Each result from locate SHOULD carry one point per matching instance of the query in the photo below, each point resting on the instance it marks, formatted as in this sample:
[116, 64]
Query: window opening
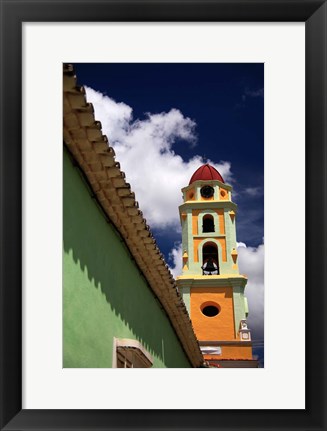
[131, 354]
[208, 224]
[210, 310]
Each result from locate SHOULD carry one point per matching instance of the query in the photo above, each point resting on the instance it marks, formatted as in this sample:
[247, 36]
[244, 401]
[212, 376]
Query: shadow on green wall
[101, 254]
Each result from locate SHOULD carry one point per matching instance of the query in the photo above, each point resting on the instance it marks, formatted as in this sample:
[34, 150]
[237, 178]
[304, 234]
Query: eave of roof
[91, 150]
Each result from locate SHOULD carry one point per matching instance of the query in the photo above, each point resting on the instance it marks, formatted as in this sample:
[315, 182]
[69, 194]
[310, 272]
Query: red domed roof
[206, 173]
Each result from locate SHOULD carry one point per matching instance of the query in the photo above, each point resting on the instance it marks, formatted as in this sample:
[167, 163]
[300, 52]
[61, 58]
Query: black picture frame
[13, 14]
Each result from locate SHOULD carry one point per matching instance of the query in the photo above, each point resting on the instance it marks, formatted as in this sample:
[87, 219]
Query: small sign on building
[211, 350]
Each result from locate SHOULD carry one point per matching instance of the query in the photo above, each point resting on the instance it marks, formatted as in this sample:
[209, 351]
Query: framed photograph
[53, 379]
[198, 241]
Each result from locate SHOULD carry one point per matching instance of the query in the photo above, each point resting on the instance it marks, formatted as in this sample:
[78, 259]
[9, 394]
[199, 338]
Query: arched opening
[210, 262]
[208, 224]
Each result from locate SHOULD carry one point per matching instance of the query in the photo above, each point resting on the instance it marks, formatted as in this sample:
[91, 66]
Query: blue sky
[225, 101]
[163, 121]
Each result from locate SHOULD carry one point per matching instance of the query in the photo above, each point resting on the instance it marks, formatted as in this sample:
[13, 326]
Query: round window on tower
[207, 191]
[210, 309]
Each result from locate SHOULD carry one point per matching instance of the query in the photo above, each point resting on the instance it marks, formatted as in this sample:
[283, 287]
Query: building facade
[211, 285]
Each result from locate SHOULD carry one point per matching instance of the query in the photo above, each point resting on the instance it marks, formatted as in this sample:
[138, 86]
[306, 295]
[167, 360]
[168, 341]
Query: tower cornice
[208, 205]
[226, 280]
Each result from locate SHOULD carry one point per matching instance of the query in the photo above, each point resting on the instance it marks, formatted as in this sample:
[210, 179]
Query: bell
[210, 267]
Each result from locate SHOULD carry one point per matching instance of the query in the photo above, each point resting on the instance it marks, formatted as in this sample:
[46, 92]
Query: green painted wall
[104, 294]
[240, 306]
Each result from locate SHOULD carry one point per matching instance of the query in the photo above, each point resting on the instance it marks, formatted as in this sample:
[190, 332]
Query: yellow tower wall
[195, 216]
[221, 221]
[232, 352]
[220, 327]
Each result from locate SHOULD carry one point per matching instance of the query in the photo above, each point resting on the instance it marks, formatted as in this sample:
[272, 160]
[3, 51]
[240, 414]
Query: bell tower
[211, 285]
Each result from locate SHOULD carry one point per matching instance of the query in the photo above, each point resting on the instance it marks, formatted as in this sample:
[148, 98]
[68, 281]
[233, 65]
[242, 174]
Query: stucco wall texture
[220, 327]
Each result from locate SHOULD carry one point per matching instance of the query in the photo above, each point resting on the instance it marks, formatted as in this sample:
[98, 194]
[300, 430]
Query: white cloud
[175, 256]
[248, 93]
[254, 191]
[144, 149]
[254, 93]
[251, 263]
